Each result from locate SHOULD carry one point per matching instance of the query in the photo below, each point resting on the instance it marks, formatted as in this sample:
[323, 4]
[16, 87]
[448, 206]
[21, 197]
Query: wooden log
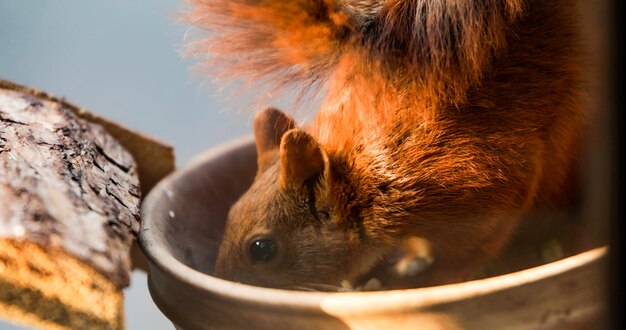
[69, 212]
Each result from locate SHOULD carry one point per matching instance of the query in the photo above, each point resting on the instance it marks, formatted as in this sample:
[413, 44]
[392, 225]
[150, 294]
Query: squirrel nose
[225, 268]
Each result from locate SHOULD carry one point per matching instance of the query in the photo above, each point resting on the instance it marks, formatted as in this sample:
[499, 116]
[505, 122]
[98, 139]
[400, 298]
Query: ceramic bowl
[183, 219]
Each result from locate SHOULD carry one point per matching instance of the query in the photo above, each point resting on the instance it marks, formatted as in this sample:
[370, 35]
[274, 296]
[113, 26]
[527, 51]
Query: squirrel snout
[223, 268]
[227, 269]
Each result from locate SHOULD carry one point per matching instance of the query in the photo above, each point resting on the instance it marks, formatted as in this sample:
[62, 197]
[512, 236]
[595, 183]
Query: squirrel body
[446, 120]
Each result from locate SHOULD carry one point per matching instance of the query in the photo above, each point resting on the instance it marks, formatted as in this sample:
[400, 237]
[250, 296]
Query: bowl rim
[347, 302]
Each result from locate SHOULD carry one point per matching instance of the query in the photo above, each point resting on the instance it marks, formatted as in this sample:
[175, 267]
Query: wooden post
[69, 212]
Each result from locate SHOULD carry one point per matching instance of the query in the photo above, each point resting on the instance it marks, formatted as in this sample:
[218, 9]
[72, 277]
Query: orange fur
[444, 119]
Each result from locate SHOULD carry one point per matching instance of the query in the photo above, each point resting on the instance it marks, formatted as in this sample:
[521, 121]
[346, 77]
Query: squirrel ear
[301, 159]
[269, 127]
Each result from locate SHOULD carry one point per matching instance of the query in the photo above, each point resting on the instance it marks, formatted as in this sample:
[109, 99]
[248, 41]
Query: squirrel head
[287, 230]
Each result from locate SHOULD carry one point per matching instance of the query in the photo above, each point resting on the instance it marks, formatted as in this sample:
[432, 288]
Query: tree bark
[69, 212]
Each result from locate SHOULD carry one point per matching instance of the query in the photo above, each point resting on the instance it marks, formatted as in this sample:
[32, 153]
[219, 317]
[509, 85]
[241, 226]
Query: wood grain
[69, 212]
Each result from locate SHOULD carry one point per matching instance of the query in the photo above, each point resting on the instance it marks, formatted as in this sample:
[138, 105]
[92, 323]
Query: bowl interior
[196, 202]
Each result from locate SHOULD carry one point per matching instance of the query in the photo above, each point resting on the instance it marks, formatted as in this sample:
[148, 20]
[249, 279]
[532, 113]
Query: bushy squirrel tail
[286, 41]
[280, 41]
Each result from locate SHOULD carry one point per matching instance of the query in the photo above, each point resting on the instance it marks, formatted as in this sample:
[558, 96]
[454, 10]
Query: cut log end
[52, 289]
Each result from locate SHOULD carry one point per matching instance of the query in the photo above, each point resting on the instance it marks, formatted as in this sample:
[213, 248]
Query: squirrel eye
[262, 250]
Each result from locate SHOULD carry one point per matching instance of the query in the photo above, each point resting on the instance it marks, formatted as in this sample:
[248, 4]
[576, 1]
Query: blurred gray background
[121, 59]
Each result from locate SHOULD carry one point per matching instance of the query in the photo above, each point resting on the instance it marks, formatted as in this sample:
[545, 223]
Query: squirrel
[442, 119]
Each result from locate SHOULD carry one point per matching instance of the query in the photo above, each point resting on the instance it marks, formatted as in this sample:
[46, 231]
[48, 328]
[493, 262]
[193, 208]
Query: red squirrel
[443, 119]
